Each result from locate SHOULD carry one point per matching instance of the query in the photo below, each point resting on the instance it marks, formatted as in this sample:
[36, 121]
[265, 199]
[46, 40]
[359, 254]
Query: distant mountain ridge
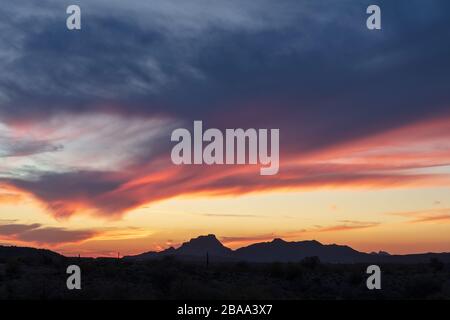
[279, 250]
[283, 251]
[8, 252]
[194, 249]
[209, 243]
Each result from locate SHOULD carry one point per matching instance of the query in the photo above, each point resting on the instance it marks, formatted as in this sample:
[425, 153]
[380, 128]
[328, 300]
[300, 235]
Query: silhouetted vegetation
[44, 277]
[436, 264]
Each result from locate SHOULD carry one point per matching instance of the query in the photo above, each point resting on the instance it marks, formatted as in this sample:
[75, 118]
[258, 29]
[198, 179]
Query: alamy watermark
[236, 146]
[374, 280]
[73, 21]
[74, 280]
[374, 20]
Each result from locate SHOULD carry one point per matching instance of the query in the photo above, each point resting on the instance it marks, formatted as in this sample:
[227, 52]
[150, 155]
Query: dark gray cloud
[55, 235]
[44, 235]
[13, 229]
[60, 189]
[286, 64]
[11, 147]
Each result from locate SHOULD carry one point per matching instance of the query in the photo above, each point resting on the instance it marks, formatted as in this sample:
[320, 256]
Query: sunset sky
[86, 118]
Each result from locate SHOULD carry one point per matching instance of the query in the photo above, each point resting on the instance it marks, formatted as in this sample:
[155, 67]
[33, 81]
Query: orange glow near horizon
[386, 192]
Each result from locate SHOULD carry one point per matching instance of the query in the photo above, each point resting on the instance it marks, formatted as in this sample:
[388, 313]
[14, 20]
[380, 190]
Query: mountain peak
[208, 236]
[202, 245]
[380, 253]
[204, 239]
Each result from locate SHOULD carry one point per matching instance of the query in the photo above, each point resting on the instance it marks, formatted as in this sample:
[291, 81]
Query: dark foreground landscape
[27, 273]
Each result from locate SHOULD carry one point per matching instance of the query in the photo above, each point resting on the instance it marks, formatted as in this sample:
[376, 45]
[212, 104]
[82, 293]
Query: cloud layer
[85, 117]
[36, 233]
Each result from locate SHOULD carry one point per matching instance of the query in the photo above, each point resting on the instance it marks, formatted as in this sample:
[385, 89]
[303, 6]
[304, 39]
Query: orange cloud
[431, 215]
[433, 218]
[10, 198]
[344, 225]
[404, 157]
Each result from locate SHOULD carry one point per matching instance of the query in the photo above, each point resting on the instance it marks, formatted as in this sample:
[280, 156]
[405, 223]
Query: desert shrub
[310, 262]
[293, 271]
[436, 264]
[355, 278]
[422, 287]
[13, 268]
[242, 266]
[276, 270]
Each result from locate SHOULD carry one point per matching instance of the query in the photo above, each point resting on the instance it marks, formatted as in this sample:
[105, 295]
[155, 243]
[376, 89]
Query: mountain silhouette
[34, 274]
[202, 245]
[8, 252]
[279, 250]
[196, 248]
[283, 251]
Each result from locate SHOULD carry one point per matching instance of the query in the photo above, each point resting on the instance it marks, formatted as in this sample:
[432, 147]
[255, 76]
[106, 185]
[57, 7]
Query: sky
[86, 118]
